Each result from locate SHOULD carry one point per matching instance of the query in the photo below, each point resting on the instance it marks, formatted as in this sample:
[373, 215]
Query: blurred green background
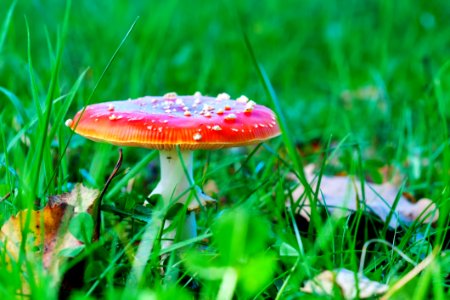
[369, 78]
[312, 51]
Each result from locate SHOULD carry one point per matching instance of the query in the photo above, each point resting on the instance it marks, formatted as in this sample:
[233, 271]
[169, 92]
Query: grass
[356, 85]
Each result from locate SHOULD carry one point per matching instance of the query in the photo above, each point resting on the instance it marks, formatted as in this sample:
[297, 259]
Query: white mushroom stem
[174, 180]
[174, 186]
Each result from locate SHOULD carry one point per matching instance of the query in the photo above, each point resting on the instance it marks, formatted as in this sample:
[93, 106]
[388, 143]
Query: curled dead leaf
[424, 210]
[342, 194]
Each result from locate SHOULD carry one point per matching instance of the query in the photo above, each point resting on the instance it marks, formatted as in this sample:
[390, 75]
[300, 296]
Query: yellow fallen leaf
[47, 230]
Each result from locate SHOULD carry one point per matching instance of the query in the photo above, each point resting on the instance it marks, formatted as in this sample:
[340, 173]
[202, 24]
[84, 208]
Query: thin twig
[5, 197]
[102, 194]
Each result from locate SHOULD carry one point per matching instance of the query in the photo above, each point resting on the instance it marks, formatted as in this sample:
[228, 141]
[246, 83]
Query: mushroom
[171, 121]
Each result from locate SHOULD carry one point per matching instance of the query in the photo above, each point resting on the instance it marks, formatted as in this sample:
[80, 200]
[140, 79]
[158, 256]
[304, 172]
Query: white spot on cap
[234, 129]
[223, 96]
[187, 113]
[135, 119]
[69, 122]
[230, 117]
[227, 107]
[197, 94]
[242, 99]
[208, 107]
[149, 127]
[112, 117]
[219, 111]
[170, 96]
[110, 107]
[216, 128]
[207, 114]
[249, 106]
[197, 137]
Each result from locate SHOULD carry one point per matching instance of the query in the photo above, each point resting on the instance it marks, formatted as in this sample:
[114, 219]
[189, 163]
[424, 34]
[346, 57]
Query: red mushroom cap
[192, 122]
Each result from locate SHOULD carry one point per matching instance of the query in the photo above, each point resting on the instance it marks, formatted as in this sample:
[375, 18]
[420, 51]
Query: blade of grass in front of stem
[192, 185]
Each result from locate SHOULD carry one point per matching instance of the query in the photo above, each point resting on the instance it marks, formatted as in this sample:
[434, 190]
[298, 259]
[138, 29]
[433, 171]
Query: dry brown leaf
[344, 280]
[341, 194]
[47, 229]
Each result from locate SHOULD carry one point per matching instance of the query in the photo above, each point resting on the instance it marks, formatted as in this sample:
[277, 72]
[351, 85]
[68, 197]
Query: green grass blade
[285, 132]
[43, 145]
[6, 24]
[23, 117]
[58, 123]
[33, 84]
[111, 60]
[59, 120]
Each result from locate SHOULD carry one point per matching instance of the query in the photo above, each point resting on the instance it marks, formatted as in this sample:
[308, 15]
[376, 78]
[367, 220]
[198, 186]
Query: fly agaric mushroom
[188, 122]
